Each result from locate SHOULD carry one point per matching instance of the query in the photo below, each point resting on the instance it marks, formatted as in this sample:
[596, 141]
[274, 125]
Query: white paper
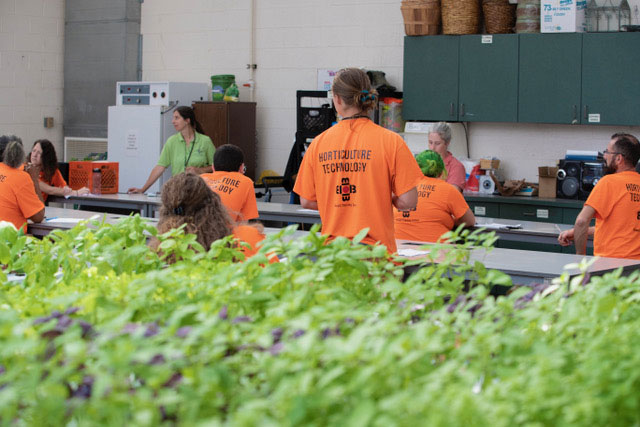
[70, 220]
[132, 145]
[325, 79]
[411, 252]
[498, 226]
[308, 210]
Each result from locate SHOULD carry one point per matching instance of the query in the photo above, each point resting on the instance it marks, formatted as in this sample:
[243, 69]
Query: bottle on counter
[96, 182]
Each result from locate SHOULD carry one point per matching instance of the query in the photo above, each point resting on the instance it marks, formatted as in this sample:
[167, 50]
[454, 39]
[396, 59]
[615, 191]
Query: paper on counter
[308, 210]
[498, 226]
[71, 220]
[411, 252]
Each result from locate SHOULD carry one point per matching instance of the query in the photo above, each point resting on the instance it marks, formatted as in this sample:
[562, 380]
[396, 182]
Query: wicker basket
[460, 16]
[421, 17]
[499, 16]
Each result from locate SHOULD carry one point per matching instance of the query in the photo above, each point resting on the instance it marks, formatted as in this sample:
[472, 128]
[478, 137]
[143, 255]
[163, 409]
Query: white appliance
[140, 123]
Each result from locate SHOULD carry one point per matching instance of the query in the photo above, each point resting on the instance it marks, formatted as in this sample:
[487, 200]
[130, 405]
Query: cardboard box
[489, 163]
[563, 16]
[547, 178]
[80, 174]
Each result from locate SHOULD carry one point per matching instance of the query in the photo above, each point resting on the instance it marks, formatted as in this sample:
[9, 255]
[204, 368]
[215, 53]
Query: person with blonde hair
[20, 197]
[356, 171]
[439, 140]
[188, 200]
[440, 207]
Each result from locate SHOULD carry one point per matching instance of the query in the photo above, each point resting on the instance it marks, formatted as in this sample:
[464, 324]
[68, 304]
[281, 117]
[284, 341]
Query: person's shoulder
[452, 160]
[173, 139]
[243, 178]
[18, 172]
[203, 137]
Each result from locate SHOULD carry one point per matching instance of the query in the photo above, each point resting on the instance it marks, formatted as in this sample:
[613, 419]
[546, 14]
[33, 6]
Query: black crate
[313, 120]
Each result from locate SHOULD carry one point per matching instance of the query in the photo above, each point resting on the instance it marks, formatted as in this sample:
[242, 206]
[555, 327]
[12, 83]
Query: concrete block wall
[31, 69]
[192, 40]
[195, 39]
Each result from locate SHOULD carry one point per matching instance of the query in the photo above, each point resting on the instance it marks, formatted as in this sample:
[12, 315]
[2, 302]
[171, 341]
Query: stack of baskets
[460, 16]
[421, 17]
[499, 16]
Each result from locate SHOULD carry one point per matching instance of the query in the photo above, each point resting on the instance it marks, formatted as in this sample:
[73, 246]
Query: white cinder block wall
[31, 67]
[191, 40]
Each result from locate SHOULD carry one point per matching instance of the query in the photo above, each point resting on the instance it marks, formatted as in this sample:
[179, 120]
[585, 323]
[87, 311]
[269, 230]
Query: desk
[287, 213]
[531, 231]
[528, 267]
[41, 229]
[146, 205]
[524, 267]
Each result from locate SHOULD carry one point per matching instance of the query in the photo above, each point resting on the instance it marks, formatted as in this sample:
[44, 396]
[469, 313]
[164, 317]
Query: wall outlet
[48, 122]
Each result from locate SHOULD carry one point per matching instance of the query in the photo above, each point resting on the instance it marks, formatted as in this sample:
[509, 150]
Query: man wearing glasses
[615, 203]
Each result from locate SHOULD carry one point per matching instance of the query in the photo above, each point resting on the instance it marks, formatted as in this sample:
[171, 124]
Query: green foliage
[103, 331]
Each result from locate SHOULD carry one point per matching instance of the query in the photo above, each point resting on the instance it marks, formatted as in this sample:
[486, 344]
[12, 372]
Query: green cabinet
[550, 85]
[531, 213]
[488, 209]
[467, 78]
[610, 83]
[431, 78]
[588, 78]
[488, 86]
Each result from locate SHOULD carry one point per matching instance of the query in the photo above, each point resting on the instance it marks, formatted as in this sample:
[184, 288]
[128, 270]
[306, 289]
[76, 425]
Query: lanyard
[193, 144]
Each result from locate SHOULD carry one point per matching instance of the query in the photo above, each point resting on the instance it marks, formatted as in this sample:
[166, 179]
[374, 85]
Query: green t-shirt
[175, 153]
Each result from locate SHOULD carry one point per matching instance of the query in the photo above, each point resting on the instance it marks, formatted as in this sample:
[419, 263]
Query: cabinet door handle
[462, 109]
[529, 213]
[451, 106]
[575, 114]
[586, 109]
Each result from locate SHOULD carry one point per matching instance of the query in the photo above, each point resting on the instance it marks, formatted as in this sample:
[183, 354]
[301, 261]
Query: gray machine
[140, 123]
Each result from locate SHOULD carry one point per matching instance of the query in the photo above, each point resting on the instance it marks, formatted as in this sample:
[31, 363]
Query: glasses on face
[610, 152]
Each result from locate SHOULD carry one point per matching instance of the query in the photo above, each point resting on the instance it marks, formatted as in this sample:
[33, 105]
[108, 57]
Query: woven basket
[528, 16]
[421, 17]
[499, 16]
[460, 16]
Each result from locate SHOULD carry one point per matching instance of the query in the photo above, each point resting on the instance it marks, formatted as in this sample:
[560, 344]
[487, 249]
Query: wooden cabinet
[231, 123]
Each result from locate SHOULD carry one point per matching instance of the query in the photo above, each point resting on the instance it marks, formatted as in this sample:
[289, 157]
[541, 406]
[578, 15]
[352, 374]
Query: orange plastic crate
[80, 174]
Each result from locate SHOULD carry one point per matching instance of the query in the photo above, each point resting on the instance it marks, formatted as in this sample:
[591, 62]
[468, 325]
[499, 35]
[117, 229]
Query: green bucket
[219, 84]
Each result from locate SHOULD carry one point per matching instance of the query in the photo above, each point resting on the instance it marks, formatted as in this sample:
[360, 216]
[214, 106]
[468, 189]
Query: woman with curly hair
[43, 156]
[187, 199]
[440, 205]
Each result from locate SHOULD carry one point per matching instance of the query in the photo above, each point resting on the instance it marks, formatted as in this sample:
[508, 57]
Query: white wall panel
[293, 39]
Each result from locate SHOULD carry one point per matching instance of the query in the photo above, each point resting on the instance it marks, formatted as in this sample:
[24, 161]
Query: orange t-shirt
[56, 181]
[616, 200]
[18, 198]
[250, 235]
[351, 170]
[438, 204]
[236, 192]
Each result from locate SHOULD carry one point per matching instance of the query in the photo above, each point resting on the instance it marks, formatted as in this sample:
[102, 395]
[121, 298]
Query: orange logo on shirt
[345, 189]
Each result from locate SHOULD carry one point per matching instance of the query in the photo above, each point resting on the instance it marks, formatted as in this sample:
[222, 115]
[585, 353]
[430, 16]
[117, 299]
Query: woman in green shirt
[189, 150]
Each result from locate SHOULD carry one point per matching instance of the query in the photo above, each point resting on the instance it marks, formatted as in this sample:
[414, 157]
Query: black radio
[576, 179]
